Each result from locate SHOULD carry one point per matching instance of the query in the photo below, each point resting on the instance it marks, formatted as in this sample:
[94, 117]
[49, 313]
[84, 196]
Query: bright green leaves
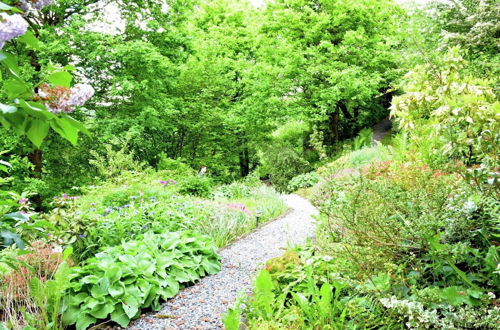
[137, 274]
[37, 131]
[30, 40]
[60, 78]
[21, 113]
[14, 88]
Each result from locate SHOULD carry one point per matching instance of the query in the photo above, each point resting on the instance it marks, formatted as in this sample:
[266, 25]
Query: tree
[337, 57]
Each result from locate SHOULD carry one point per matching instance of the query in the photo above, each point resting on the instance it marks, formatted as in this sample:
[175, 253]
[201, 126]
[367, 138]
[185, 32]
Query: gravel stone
[201, 306]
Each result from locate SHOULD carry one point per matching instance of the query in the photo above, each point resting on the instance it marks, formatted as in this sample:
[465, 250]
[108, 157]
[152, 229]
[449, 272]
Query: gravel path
[200, 306]
[381, 129]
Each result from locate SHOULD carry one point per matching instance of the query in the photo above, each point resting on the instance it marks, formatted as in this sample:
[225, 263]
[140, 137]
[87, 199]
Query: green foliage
[364, 139]
[122, 280]
[113, 162]
[462, 110]
[150, 202]
[177, 167]
[199, 185]
[49, 295]
[303, 181]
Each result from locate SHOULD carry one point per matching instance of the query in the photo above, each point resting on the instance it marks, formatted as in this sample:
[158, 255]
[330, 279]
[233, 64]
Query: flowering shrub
[62, 99]
[22, 110]
[462, 110]
[11, 26]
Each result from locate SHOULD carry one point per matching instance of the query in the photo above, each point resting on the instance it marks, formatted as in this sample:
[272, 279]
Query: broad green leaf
[29, 39]
[65, 130]
[102, 311]
[70, 315]
[16, 88]
[119, 316]
[38, 131]
[36, 109]
[10, 63]
[84, 321]
[60, 78]
[4, 6]
[75, 123]
[113, 274]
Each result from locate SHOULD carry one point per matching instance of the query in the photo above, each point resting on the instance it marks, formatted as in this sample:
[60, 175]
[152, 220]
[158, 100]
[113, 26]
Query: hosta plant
[122, 280]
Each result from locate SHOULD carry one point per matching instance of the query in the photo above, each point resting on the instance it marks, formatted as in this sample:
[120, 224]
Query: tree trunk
[334, 125]
[36, 159]
[244, 162]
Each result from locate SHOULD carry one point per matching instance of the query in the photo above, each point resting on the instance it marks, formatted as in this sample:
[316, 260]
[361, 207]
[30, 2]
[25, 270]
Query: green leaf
[38, 131]
[60, 78]
[36, 109]
[4, 6]
[119, 316]
[7, 108]
[10, 63]
[70, 316]
[102, 311]
[76, 124]
[116, 289]
[16, 88]
[65, 130]
[84, 321]
[30, 40]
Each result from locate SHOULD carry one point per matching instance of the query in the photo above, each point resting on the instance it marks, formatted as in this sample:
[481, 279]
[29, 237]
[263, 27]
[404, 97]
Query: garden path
[202, 305]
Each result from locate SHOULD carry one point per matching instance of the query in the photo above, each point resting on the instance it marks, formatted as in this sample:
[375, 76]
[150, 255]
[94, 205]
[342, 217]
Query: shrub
[113, 162]
[122, 280]
[303, 181]
[196, 185]
[462, 110]
[282, 163]
[233, 190]
[174, 166]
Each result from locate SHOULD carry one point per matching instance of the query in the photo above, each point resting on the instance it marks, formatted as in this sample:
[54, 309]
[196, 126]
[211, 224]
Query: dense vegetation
[131, 150]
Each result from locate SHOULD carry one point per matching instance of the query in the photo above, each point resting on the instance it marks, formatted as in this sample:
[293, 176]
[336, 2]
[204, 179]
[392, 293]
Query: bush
[200, 186]
[174, 166]
[462, 110]
[122, 280]
[303, 181]
[282, 164]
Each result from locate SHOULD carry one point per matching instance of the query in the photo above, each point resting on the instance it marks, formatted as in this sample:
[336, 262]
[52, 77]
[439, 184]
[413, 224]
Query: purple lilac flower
[39, 4]
[23, 201]
[80, 93]
[82, 235]
[11, 26]
[62, 99]
[23, 5]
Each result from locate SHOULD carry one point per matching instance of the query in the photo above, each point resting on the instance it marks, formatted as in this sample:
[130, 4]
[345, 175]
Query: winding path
[201, 306]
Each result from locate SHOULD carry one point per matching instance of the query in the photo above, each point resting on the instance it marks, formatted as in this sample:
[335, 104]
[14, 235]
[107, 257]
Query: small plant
[303, 181]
